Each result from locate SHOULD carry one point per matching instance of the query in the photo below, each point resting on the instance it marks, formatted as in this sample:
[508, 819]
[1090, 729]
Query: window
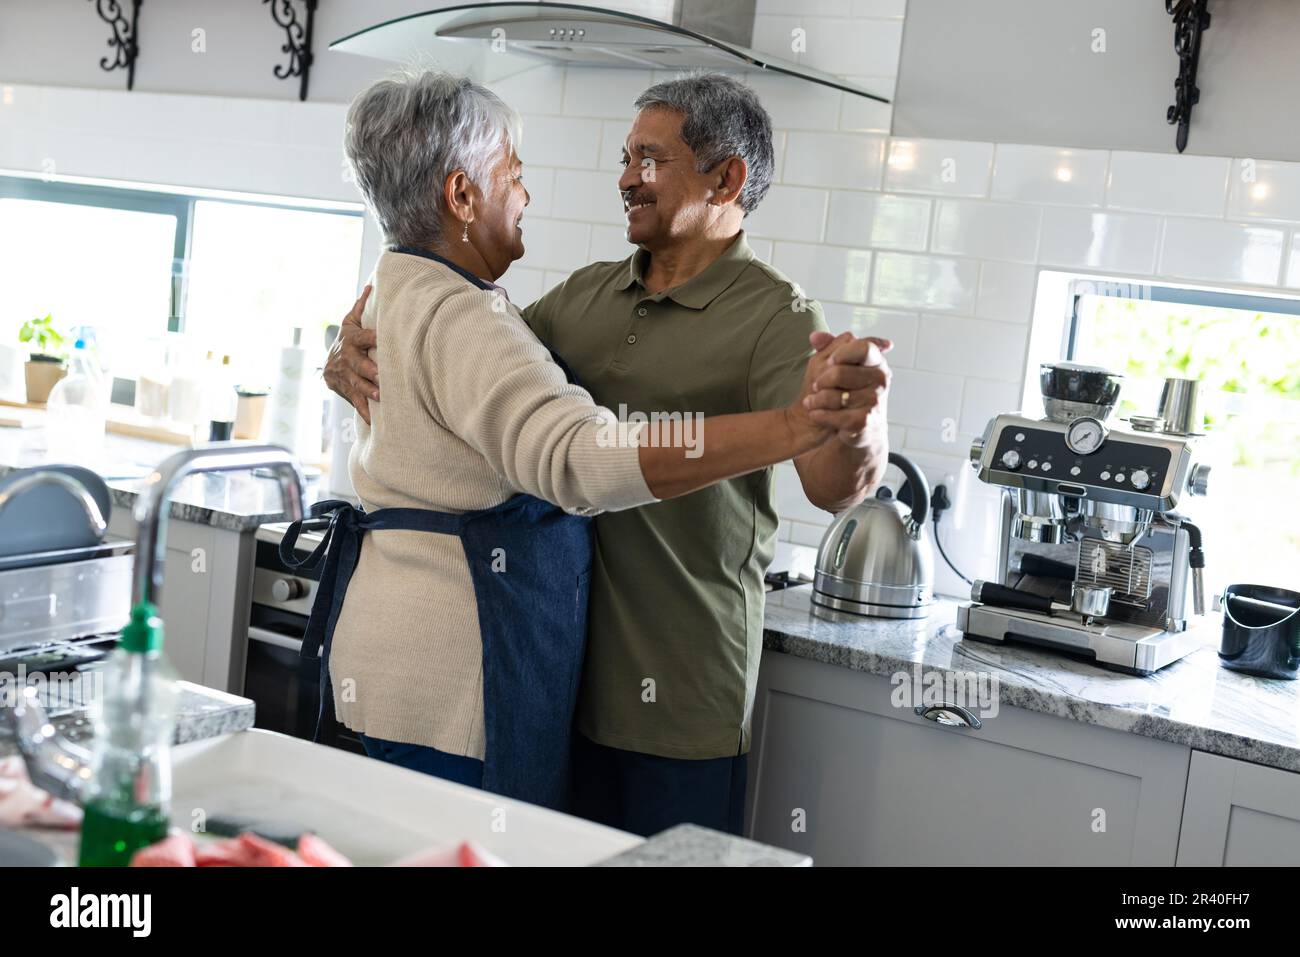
[236, 275]
[1245, 350]
[88, 257]
[258, 272]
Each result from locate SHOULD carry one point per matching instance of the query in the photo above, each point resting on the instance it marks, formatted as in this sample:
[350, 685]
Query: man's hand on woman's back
[349, 370]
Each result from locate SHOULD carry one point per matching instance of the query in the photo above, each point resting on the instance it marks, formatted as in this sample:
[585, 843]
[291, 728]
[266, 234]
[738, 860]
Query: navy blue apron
[530, 563]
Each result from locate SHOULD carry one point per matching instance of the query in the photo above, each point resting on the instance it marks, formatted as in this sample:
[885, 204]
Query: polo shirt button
[631, 340]
[642, 311]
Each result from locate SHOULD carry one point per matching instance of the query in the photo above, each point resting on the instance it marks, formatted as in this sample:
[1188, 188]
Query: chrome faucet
[63, 767]
[94, 516]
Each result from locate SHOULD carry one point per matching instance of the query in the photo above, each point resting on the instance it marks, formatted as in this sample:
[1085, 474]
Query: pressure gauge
[1085, 435]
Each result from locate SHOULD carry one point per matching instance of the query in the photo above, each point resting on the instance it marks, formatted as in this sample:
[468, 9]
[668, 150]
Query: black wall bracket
[297, 41]
[1191, 20]
[125, 38]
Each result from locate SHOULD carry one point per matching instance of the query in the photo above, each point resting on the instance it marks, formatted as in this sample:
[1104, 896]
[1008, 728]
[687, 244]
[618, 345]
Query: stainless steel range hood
[683, 35]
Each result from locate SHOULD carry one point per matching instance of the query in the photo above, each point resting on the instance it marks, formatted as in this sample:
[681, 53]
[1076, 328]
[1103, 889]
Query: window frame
[170, 202]
[1175, 295]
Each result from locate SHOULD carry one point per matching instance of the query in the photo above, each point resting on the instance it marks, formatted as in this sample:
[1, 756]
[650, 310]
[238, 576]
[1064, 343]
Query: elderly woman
[452, 610]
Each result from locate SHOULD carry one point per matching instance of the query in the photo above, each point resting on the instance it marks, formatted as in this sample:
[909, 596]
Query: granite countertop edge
[1019, 691]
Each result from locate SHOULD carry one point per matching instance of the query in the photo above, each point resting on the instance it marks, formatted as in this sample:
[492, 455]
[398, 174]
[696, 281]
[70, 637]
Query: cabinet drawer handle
[951, 715]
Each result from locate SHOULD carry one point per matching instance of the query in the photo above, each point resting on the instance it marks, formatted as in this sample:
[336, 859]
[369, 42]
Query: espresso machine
[1093, 558]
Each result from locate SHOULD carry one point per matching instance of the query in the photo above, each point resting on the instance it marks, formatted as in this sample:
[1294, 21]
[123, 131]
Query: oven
[281, 681]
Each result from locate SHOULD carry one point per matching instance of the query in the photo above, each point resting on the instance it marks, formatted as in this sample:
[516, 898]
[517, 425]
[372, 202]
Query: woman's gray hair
[407, 133]
[721, 118]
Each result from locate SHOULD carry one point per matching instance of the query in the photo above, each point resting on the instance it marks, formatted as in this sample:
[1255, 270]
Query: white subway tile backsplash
[561, 141]
[966, 227]
[948, 441]
[929, 400]
[825, 272]
[609, 244]
[982, 400]
[1264, 190]
[774, 34]
[900, 327]
[864, 115]
[1174, 184]
[790, 212]
[924, 282]
[524, 285]
[810, 8]
[794, 105]
[950, 167]
[554, 244]
[539, 89]
[878, 8]
[880, 221]
[847, 160]
[1047, 174]
[972, 347]
[540, 181]
[808, 535]
[862, 47]
[791, 503]
[587, 195]
[1228, 252]
[762, 248]
[1293, 267]
[1121, 241]
[1006, 291]
[602, 92]
[613, 134]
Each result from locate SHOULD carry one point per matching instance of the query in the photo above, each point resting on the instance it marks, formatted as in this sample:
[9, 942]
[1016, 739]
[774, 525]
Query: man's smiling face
[665, 198]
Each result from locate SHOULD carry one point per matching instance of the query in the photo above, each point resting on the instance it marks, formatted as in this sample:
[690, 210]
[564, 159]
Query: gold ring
[844, 400]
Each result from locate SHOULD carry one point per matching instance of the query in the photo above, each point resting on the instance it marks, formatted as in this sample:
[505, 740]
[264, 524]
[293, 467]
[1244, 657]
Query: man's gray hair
[407, 133]
[721, 118]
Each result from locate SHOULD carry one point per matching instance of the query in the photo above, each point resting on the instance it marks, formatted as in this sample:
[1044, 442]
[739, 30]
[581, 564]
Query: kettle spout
[54, 763]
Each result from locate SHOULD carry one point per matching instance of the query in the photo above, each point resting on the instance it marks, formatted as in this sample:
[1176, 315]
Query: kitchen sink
[372, 812]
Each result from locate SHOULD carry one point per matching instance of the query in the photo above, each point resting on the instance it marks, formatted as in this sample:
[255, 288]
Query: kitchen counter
[1193, 702]
[688, 845]
[233, 501]
[200, 713]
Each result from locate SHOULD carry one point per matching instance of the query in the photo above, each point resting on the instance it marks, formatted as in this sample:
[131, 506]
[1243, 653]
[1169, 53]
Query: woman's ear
[457, 196]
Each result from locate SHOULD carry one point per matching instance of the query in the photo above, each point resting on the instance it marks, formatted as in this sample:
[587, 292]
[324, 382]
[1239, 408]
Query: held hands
[845, 389]
[349, 370]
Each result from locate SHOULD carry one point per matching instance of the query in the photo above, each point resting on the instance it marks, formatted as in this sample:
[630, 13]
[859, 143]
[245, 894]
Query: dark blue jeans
[646, 794]
[453, 767]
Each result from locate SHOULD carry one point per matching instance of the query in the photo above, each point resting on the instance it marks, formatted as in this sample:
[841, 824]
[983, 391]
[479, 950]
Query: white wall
[933, 243]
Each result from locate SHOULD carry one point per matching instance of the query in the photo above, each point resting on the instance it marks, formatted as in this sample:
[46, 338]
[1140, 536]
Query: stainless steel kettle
[875, 558]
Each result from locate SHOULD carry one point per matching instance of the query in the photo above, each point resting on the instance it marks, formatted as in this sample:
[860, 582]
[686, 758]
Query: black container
[1071, 382]
[1261, 631]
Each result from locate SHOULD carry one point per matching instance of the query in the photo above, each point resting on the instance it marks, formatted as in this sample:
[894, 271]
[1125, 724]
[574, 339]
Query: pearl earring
[464, 236]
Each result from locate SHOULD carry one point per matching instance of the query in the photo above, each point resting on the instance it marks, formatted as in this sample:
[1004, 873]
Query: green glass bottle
[127, 805]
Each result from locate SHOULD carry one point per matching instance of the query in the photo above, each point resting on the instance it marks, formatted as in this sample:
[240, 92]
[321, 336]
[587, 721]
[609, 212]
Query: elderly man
[691, 322]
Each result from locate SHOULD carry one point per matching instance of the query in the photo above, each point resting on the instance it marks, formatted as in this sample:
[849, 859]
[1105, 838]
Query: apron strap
[340, 549]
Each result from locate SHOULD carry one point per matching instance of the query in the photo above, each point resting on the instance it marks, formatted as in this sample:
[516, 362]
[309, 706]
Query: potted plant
[47, 362]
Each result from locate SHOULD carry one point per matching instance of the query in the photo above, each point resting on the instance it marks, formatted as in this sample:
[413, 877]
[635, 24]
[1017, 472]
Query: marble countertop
[201, 712]
[688, 845]
[234, 501]
[1194, 701]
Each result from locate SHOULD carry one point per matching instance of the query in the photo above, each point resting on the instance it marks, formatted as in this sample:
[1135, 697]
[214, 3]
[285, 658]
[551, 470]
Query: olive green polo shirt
[675, 625]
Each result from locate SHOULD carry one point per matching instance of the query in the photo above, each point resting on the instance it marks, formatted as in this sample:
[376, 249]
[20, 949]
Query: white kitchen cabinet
[872, 783]
[1238, 813]
[206, 595]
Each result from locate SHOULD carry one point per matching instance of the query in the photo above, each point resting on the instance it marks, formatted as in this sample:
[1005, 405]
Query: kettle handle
[920, 487]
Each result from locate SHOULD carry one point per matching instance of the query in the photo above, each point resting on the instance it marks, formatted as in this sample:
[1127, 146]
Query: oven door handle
[274, 638]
